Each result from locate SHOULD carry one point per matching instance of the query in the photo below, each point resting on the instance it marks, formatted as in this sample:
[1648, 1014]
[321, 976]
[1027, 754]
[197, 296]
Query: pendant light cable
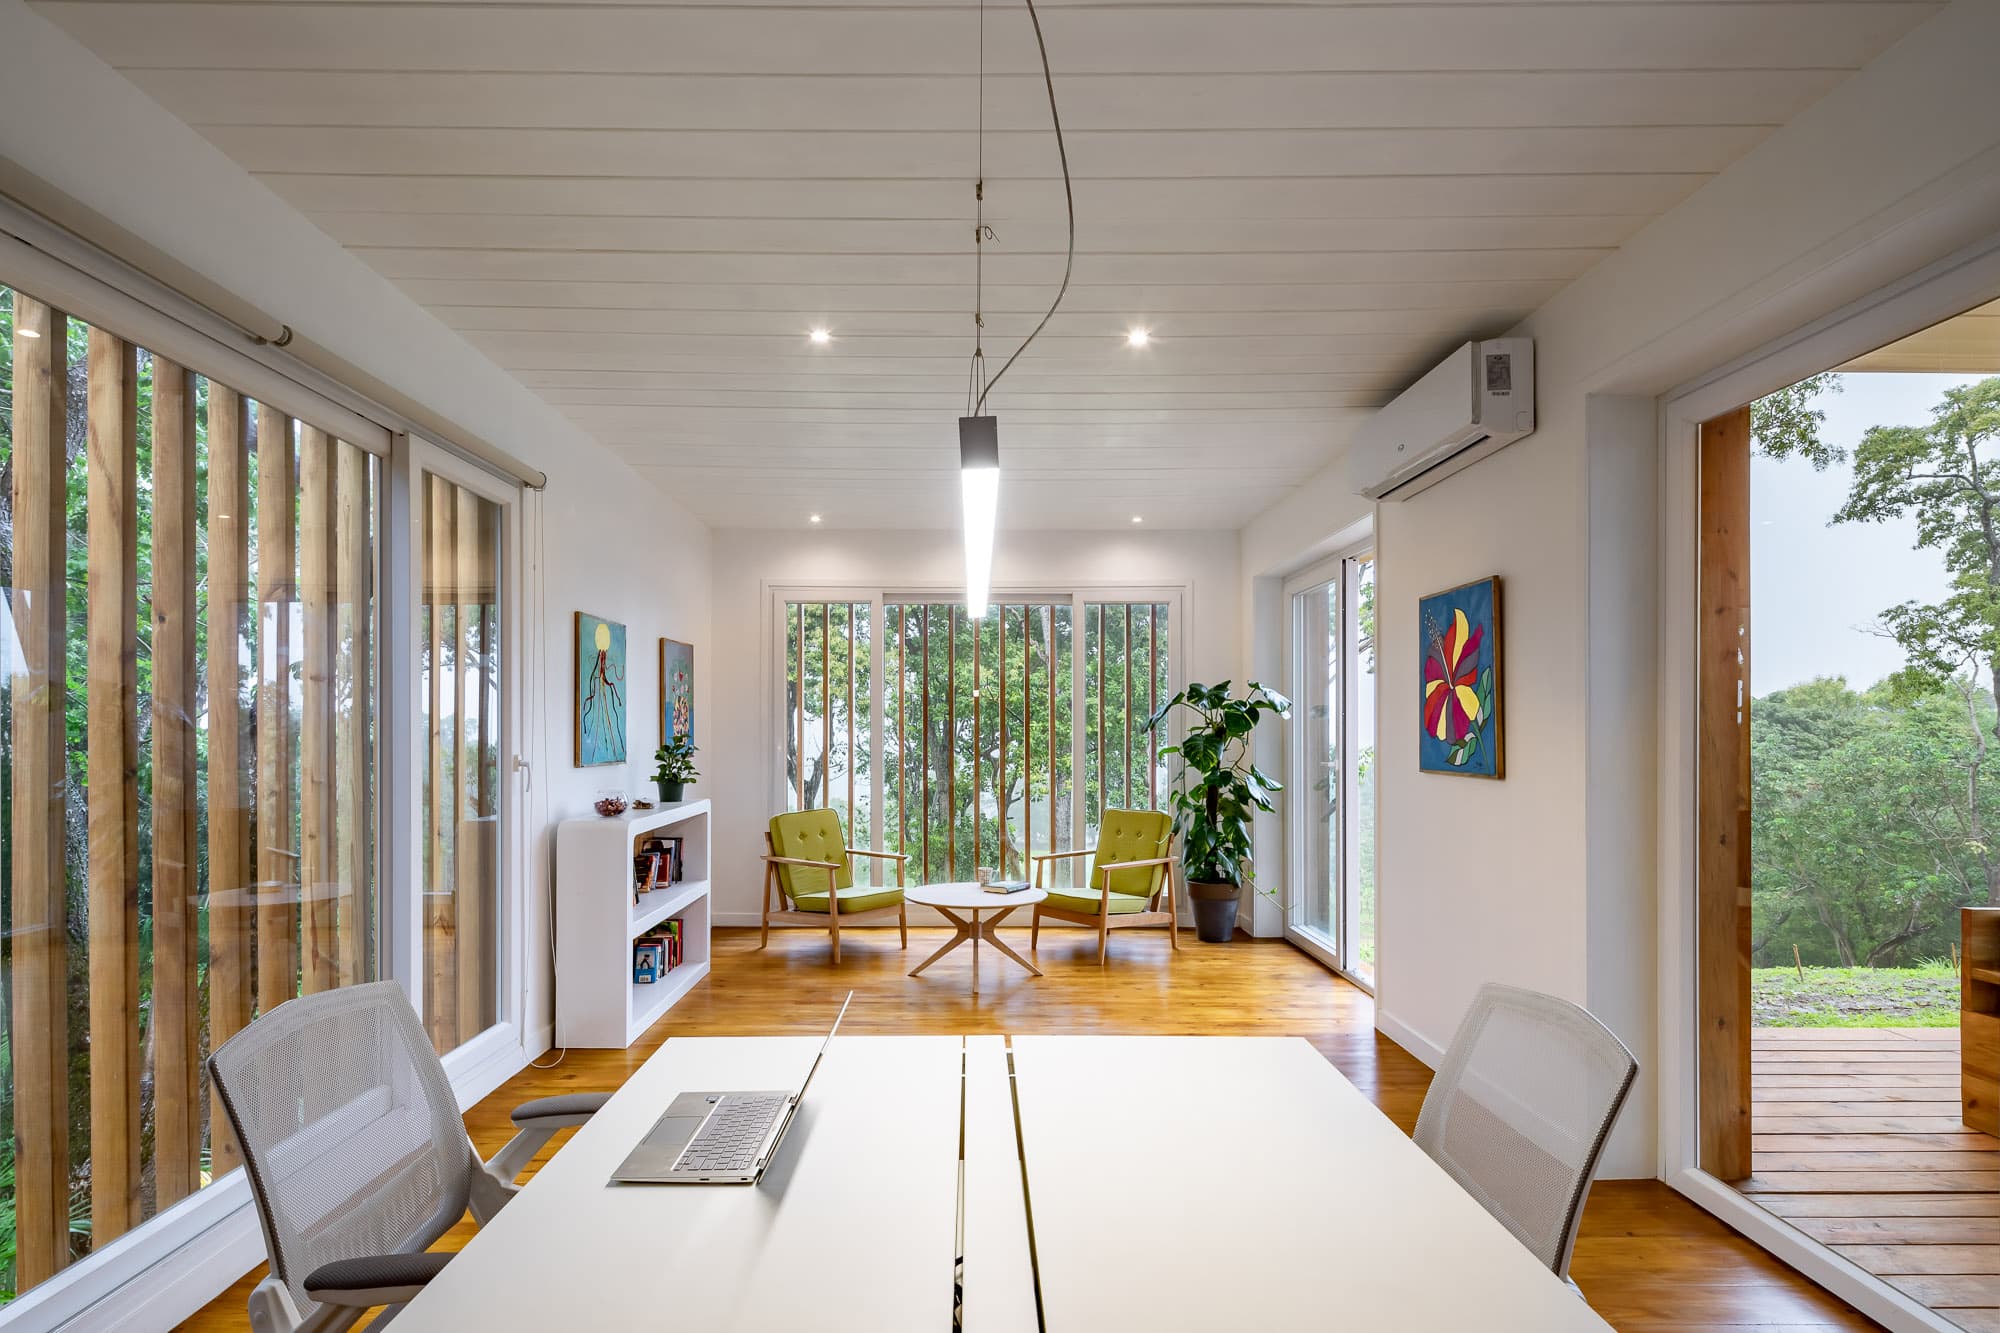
[981, 233]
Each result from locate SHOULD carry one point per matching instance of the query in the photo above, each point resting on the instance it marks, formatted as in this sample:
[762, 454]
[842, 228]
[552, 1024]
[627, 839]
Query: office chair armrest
[559, 1112]
[535, 1123]
[374, 1279]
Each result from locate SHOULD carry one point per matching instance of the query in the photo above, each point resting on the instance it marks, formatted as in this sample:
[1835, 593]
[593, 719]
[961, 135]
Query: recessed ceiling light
[812, 518]
[820, 336]
[1137, 338]
[1137, 519]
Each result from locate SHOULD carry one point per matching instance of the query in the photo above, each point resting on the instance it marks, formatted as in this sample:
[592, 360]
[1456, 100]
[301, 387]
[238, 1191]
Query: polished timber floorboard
[1647, 1259]
[1858, 1142]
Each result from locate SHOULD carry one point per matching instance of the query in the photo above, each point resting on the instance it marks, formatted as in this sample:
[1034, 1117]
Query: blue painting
[600, 691]
[1459, 645]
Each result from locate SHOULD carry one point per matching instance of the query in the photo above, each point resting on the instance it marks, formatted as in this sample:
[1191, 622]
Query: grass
[1855, 997]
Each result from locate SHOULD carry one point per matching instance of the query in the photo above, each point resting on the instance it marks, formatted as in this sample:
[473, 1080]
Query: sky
[1816, 589]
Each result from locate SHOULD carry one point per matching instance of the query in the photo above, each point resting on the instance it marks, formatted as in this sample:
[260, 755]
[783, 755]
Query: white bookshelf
[597, 1002]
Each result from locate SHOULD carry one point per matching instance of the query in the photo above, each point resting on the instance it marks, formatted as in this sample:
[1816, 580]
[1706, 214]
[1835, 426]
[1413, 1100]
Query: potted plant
[1220, 789]
[676, 767]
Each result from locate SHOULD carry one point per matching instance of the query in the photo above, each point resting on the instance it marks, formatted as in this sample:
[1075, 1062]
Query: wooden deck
[1858, 1143]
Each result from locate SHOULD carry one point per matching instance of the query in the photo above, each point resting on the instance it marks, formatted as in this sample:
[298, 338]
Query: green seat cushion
[854, 898]
[811, 835]
[1121, 903]
[1132, 835]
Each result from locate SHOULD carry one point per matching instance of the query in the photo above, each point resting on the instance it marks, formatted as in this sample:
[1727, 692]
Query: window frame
[1342, 568]
[1074, 594]
[503, 1046]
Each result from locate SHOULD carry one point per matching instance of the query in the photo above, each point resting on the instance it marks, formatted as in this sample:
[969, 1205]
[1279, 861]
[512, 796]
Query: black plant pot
[1214, 911]
[670, 791]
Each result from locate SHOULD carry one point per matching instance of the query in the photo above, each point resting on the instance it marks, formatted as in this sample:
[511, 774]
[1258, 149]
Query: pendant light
[978, 433]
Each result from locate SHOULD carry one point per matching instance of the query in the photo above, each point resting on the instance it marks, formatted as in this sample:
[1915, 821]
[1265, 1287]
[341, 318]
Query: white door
[1330, 656]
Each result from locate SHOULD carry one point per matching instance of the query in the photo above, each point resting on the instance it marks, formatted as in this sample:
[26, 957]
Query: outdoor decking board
[1857, 1141]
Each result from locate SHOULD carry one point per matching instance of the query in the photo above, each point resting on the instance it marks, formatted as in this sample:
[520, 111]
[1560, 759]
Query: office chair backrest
[350, 1134]
[1520, 1109]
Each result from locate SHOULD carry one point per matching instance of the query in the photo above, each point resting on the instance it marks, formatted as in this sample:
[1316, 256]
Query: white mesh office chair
[1520, 1109]
[356, 1153]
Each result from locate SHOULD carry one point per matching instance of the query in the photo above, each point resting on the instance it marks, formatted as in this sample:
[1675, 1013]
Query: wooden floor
[1858, 1143]
[1647, 1259]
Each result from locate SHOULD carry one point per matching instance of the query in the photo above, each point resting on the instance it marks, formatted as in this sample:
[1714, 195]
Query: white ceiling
[640, 209]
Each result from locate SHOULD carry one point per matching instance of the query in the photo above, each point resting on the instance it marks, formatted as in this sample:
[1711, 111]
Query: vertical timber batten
[38, 880]
[318, 892]
[1722, 802]
[230, 905]
[277, 856]
[112, 800]
[176, 1007]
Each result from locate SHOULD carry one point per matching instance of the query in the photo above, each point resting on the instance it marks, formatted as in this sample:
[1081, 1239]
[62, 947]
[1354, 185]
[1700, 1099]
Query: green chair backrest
[1132, 835]
[810, 835]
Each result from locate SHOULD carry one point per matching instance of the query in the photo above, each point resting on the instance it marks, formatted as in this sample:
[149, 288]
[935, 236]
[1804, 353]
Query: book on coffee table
[1006, 886]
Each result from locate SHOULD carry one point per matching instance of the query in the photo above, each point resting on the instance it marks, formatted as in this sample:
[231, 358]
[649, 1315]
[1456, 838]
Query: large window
[985, 725]
[188, 716]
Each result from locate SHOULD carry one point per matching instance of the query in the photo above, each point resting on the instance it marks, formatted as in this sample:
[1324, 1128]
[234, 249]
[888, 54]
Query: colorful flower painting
[600, 691]
[1460, 648]
[676, 690]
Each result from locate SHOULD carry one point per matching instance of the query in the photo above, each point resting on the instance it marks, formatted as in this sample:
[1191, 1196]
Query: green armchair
[1131, 881]
[809, 878]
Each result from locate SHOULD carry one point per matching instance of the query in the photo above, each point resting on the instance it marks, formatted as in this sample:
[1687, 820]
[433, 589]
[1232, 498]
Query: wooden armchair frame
[1103, 919]
[786, 911]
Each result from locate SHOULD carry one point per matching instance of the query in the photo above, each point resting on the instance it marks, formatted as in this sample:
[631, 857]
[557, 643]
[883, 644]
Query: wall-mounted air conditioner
[1479, 399]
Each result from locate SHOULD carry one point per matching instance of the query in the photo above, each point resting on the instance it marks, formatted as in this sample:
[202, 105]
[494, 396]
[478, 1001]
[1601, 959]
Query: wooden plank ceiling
[641, 209]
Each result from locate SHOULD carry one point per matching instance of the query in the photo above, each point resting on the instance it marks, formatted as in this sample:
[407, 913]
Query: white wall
[737, 741]
[1546, 878]
[613, 544]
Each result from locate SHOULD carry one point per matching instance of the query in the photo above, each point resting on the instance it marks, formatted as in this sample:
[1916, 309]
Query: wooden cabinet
[1979, 1018]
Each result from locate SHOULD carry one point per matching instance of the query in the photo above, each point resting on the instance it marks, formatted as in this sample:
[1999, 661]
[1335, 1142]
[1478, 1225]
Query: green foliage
[1864, 822]
[1786, 424]
[1220, 787]
[675, 761]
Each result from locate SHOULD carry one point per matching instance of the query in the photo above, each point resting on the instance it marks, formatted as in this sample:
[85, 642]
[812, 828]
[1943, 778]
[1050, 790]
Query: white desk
[1316, 1213]
[853, 1226]
[1320, 1215]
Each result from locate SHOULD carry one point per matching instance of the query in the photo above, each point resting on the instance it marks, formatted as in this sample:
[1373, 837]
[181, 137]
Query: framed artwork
[1460, 650]
[676, 689]
[600, 691]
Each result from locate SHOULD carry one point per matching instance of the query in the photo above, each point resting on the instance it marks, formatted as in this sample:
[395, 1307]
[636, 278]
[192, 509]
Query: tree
[1861, 816]
[1944, 474]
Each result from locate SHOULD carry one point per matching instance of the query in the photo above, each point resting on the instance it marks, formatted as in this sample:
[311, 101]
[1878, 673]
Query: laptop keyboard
[730, 1138]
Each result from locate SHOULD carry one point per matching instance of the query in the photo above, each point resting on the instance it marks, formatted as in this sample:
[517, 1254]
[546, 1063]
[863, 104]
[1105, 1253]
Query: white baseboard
[1417, 1044]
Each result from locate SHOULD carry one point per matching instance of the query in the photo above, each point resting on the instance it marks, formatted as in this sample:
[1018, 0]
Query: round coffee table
[963, 905]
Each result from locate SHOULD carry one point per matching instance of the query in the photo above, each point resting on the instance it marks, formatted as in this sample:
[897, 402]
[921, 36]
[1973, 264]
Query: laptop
[719, 1138]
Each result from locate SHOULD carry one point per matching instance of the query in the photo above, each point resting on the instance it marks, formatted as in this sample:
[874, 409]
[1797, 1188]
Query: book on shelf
[646, 963]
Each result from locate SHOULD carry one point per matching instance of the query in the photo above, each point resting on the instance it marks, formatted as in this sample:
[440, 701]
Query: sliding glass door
[451, 950]
[1330, 909]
